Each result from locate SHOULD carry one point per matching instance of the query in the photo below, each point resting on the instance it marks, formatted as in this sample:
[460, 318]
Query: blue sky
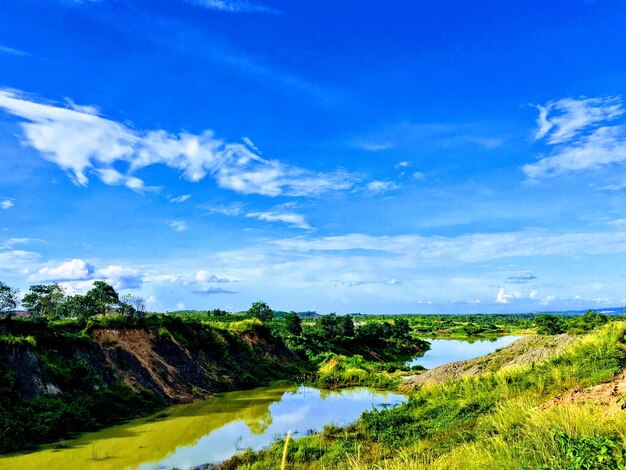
[334, 156]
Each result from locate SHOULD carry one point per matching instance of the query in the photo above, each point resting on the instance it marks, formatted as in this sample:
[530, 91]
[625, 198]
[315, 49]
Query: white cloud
[562, 120]
[290, 218]
[374, 146]
[82, 142]
[419, 176]
[581, 138]
[6, 204]
[11, 51]
[604, 146]
[121, 277]
[179, 199]
[231, 210]
[234, 6]
[381, 186]
[178, 225]
[503, 298]
[472, 248]
[403, 164]
[73, 270]
[205, 276]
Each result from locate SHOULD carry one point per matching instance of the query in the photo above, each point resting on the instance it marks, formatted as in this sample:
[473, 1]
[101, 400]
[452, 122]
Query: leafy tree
[79, 306]
[293, 324]
[549, 325]
[346, 326]
[330, 325]
[262, 311]
[400, 328]
[216, 312]
[44, 300]
[103, 296]
[8, 299]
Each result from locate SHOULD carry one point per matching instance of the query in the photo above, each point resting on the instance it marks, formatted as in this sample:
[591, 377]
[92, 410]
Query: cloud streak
[582, 140]
[83, 143]
[234, 6]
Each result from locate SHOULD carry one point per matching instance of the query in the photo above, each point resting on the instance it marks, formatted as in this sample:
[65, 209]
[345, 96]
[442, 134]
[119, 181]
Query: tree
[103, 296]
[79, 306]
[549, 325]
[346, 326]
[330, 325]
[131, 304]
[400, 328]
[293, 324]
[8, 299]
[262, 311]
[44, 300]
[216, 312]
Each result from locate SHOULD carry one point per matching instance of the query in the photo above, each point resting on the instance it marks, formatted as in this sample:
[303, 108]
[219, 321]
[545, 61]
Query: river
[444, 351]
[208, 431]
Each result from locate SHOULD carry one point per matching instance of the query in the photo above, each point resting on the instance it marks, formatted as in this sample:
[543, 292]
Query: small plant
[589, 453]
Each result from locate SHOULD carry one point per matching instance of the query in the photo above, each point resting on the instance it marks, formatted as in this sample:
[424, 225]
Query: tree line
[51, 302]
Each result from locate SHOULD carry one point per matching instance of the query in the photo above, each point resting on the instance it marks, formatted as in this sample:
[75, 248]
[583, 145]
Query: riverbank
[63, 378]
[494, 418]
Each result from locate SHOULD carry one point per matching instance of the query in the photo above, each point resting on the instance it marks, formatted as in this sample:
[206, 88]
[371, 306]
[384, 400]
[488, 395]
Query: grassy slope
[494, 420]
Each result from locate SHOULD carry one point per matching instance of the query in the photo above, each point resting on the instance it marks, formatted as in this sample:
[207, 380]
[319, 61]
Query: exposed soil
[603, 394]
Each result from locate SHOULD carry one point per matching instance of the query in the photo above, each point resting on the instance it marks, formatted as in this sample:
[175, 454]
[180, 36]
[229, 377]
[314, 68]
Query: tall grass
[491, 421]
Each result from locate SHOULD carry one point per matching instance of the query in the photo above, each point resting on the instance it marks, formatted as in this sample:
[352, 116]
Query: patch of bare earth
[526, 350]
[602, 394]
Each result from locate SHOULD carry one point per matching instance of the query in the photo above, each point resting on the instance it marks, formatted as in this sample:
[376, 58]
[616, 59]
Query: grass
[491, 421]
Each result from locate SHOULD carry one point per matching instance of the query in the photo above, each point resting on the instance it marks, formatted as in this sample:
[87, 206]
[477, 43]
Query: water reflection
[208, 431]
[444, 351]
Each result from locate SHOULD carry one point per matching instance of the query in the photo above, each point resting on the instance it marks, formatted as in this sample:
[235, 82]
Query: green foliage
[8, 298]
[293, 324]
[44, 300]
[262, 311]
[549, 325]
[588, 453]
[393, 427]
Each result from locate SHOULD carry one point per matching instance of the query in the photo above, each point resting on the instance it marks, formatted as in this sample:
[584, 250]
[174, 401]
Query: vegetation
[494, 420]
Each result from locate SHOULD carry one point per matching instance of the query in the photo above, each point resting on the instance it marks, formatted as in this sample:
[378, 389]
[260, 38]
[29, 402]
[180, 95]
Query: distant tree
[346, 326]
[400, 328]
[103, 296]
[293, 324]
[216, 312]
[8, 299]
[329, 325]
[131, 304]
[549, 325]
[262, 311]
[44, 300]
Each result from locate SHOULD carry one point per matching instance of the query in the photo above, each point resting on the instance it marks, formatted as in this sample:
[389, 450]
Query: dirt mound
[603, 394]
[523, 351]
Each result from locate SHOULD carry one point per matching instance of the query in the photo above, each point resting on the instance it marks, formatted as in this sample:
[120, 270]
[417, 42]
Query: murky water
[444, 351]
[209, 430]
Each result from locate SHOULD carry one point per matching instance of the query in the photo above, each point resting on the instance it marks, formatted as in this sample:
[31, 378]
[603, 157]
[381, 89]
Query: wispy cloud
[82, 143]
[520, 278]
[290, 218]
[6, 204]
[560, 121]
[582, 141]
[178, 225]
[381, 186]
[213, 290]
[11, 51]
[179, 199]
[234, 6]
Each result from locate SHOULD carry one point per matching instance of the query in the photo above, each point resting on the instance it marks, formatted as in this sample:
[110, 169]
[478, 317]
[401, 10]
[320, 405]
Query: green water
[207, 431]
